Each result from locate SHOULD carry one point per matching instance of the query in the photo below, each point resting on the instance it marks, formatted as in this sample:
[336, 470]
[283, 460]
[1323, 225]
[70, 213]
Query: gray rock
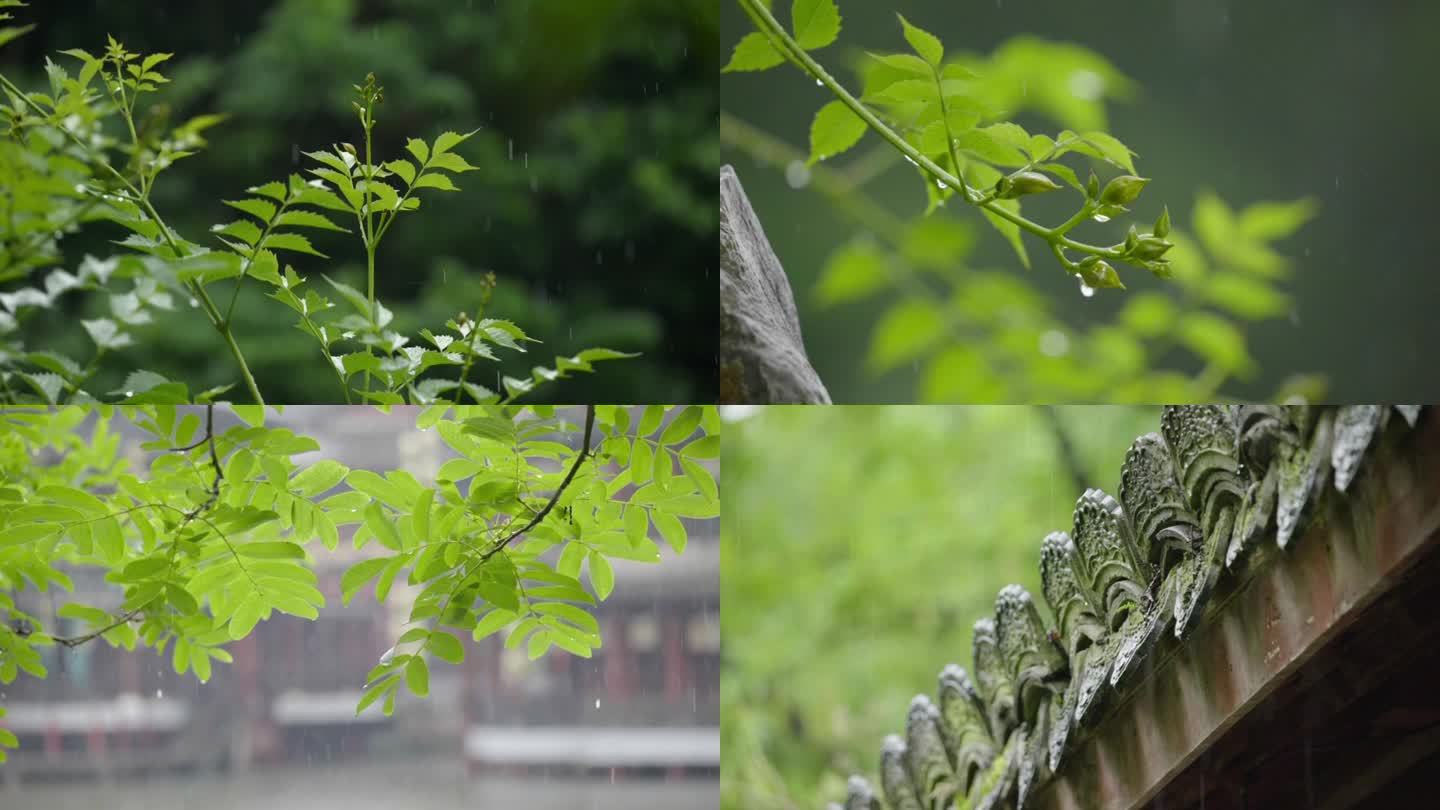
[762, 355]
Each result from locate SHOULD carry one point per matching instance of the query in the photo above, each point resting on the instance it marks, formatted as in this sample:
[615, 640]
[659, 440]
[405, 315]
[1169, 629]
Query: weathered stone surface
[762, 354]
[1193, 500]
[963, 724]
[930, 768]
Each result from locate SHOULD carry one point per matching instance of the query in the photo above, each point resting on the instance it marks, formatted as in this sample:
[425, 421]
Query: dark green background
[1260, 101]
[594, 203]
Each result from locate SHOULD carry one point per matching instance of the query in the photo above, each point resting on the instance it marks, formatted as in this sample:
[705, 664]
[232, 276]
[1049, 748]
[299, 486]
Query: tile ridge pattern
[1194, 499]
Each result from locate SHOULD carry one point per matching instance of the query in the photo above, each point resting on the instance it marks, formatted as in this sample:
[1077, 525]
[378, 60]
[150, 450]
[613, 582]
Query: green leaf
[1216, 340]
[1267, 221]
[291, 241]
[1148, 314]
[707, 447]
[262, 210]
[245, 617]
[492, 622]
[437, 181]
[835, 129]
[991, 145]
[418, 148]
[907, 330]
[307, 219]
[1112, 149]
[382, 527]
[275, 190]
[449, 140]
[816, 23]
[452, 162]
[403, 169]
[417, 676]
[637, 524]
[277, 550]
[704, 481]
[422, 515]
[904, 61]
[84, 613]
[580, 618]
[252, 415]
[1245, 296]
[357, 575]
[924, 42]
[682, 426]
[852, 272]
[671, 529]
[539, 643]
[753, 52]
[641, 461]
[319, 477]
[106, 334]
[650, 420]
[446, 647]
[602, 576]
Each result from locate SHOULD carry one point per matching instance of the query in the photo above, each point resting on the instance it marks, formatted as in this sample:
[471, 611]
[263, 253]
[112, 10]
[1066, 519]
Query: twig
[560, 490]
[214, 495]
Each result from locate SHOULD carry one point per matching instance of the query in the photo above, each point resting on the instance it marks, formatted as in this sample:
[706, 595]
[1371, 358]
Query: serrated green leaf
[753, 52]
[816, 23]
[925, 43]
[836, 128]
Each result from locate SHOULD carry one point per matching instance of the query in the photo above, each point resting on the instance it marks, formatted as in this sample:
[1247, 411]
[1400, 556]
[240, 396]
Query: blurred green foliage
[593, 203]
[935, 322]
[859, 546]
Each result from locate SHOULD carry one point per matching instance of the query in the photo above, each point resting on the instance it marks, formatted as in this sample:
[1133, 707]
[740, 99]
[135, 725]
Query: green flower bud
[1092, 186]
[1162, 225]
[1099, 275]
[1150, 247]
[1022, 183]
[1131, 239]
[1123, 189]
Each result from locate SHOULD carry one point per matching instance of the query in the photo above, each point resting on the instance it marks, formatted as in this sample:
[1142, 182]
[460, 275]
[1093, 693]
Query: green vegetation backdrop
[1279, 101]
[594, 202]
[858, 547]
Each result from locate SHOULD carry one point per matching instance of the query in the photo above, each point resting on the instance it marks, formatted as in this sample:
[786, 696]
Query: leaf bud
[1022, 183]
[1162, 225]
[1123, 189]
[1150, 247]
[1099, 275]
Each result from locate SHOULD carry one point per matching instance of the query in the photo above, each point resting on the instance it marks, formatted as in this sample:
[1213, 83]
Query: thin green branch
[783, 42]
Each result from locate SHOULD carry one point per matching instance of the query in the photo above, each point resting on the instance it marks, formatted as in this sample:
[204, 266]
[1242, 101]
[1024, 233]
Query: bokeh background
[1258, 101]
[859, 546]
[594, 204]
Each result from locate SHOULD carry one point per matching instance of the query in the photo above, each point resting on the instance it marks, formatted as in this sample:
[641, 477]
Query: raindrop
[819, 83]
[512, 148]
[294, 153]
[1086, 290]
[797, 174]
[597, 703]
[1054, 343]
[159, 693]
[940, 184]
[1100, 218]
